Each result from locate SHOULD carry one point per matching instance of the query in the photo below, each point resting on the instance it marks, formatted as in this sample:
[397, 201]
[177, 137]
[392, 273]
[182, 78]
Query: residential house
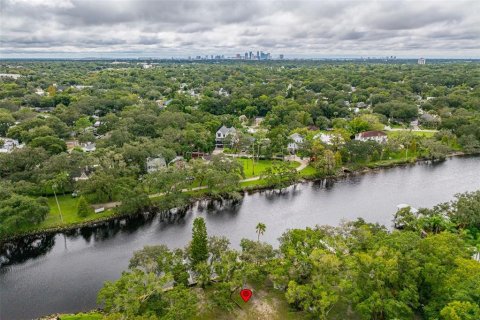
[13, 76]
[378, 136]
[324, 137]
[72, 144]
[81, 87]
[155, 164]
[296, 140]
[7, 145]
[89, 147]
[223, 133]
[223, 92]
[40, 92]
[83, 176]
[258, 120]
[361, 105]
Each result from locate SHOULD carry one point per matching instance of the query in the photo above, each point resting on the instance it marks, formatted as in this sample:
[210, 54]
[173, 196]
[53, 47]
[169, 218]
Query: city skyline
[297, 29]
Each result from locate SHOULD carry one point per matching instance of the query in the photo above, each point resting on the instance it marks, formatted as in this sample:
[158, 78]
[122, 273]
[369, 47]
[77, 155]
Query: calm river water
[63, 272]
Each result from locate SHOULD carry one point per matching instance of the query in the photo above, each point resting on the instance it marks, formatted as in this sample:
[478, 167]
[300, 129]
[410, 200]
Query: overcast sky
[131, 28]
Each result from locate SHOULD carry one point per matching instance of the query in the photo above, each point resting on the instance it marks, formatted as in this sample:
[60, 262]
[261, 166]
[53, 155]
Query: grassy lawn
[68, 205]
[426, 134]
[260, 166]
[82, 316]
[308, 172]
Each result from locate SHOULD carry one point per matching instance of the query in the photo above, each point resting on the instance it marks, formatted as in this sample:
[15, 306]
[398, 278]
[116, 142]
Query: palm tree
[261, 227]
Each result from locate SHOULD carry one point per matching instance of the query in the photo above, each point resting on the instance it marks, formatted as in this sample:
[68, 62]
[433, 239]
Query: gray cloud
[313, 28]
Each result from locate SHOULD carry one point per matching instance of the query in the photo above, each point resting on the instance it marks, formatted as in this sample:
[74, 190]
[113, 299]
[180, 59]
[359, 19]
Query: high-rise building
[250, 55]
[422, 61]
[246, 55]
[281, 57]
[258, 55]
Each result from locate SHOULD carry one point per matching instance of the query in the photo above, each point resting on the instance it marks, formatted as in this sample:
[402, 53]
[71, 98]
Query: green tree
[17, 211]
[460, 310]
[52, 145]
[261, 227]
[83, 208]
[6, 121]
[199, 244]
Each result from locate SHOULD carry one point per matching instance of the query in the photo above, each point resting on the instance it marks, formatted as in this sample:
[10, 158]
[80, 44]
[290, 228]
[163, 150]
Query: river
[63, 272]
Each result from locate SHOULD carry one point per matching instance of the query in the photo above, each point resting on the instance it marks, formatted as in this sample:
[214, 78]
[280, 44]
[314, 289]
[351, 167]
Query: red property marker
[246, 294]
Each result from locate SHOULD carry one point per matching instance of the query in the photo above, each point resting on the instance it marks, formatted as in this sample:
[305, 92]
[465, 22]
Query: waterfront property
[378, 136]
[222, 134]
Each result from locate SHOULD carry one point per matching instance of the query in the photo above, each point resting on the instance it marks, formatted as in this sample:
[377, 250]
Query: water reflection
[25, 248]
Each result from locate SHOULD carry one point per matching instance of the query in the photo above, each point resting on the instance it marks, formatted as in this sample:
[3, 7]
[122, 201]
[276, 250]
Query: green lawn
[260, 166]
[426, 134]
[82, 316]
[68, 205]
[308, 172]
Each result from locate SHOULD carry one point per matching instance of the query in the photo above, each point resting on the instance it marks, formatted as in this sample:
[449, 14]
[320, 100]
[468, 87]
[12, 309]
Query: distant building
[83, 177]
[223, 92]
[81, 87]
[89, 147]
[13, 76]
[40, 91]
[222, 133]
[155, 164]
[324, 137]
[281, 57]
[378, 136]
[422, 61]
[296, 140]
[7, 145]
[258, 120]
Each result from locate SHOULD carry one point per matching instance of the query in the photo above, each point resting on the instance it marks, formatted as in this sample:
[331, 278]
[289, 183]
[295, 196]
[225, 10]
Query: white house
[223, 92]
[14, 76]
[296, 141]
[378, 136]
[155, 164]
[7, 145]
[89, 147]
[329, 138]
[40, 92]
[222, 133]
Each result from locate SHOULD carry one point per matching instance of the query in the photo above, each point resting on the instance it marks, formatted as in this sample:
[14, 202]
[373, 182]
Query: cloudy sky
[131, 28]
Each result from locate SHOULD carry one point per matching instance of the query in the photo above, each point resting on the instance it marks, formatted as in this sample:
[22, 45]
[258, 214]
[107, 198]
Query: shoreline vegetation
[306, 174]
[426, 267]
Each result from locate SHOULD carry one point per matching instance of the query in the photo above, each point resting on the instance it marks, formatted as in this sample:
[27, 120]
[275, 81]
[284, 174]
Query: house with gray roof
[155, 163]
[296, 140]
[223, 133]
[7, 145]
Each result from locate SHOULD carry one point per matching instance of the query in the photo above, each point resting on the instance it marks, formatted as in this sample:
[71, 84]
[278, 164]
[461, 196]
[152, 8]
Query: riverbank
[77, 263]
[250, 185]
